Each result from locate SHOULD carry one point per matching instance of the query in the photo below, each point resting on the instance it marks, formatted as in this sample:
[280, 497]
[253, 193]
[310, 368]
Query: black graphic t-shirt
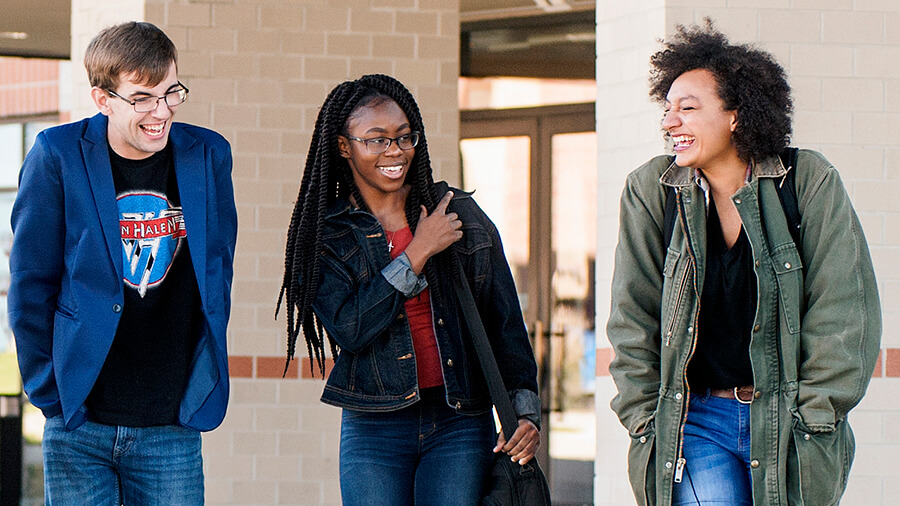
[146, 371]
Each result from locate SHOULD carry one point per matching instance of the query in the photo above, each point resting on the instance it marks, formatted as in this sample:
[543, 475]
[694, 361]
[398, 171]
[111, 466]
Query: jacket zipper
[681, 290]
[680, 461]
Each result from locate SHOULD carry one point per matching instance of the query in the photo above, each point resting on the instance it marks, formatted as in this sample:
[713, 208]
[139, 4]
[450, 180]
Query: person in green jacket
[738, 351]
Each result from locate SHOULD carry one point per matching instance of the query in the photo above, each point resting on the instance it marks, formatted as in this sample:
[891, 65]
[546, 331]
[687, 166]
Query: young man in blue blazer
[121, 267]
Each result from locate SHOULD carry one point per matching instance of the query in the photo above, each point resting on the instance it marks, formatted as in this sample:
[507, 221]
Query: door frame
[540, 124]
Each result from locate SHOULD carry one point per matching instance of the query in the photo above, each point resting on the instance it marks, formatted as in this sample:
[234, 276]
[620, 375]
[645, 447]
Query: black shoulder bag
[507, 483]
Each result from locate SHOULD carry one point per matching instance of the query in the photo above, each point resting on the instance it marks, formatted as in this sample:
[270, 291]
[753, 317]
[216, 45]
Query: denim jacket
[360, 298]
[814, 341]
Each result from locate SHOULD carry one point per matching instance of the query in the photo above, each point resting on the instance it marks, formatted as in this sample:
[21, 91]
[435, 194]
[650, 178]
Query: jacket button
[787, 265]
[668, 465]
[754, 463]
[756, 328]
[737, 201]
[806, 437]
[757, 394]
[643, 439]
[400, 316]
[117, 308]
[458, 405]
[449, 362]
[678, 396]
[690, 330]
[440, 322]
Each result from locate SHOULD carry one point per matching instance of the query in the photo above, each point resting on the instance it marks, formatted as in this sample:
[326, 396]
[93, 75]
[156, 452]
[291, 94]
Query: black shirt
[727, 308]
[145, 373]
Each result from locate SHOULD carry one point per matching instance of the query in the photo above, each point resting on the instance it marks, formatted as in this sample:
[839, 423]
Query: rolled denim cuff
[527, 404]
[400, 275]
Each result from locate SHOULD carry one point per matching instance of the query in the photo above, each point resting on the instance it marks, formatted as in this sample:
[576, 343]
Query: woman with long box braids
[371, 255]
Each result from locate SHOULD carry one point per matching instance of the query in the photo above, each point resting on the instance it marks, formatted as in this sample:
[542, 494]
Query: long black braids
[326, 178]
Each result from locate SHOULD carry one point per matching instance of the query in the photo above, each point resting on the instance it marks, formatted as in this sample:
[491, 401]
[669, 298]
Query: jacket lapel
[190, 171]
[95, 151]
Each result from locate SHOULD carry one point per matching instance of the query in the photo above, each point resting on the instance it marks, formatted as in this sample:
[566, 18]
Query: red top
[418, 312]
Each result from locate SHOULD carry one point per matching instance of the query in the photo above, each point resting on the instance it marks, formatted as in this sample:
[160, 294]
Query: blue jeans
[422, 454]
[717, 454]
[104, 465]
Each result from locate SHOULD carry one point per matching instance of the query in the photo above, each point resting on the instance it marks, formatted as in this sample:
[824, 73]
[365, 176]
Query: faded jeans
[717, 454]
[104, 465]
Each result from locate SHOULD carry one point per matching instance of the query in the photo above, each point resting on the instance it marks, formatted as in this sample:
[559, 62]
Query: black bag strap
[670, 212]
[669, 215]
[499, 396]
[787, 194]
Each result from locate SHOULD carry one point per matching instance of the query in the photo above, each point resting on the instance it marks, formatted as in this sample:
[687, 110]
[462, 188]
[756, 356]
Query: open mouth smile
[392, 171]
[682, 142]
[154, 130]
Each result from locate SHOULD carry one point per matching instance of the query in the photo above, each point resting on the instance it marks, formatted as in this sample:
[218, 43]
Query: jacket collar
[343, 205]
[99, 172]
[339, 207]
[679, 177]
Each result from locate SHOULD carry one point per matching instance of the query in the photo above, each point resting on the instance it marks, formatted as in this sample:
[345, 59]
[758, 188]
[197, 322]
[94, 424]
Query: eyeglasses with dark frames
[378, 145]
[172, 98]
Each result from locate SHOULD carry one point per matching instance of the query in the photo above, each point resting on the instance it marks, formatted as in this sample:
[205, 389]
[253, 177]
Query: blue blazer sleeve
[36, 265]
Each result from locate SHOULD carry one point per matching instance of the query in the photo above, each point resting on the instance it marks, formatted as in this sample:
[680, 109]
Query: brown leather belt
[744, 395]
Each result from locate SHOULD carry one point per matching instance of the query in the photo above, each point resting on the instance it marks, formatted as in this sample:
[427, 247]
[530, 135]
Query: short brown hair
[129, 48]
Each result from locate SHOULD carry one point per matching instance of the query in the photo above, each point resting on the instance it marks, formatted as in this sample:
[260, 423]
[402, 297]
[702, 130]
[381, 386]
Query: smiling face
[698, 123]
[137, 135]
[381, 173]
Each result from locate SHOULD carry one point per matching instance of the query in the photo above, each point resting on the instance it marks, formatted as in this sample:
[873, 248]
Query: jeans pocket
[818, 465]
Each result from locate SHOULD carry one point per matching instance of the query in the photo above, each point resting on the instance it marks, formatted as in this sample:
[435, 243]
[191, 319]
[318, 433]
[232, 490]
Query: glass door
[498, 169]
[534, 173]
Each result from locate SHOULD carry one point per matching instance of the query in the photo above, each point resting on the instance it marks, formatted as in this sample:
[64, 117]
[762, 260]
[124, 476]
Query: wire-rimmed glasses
[378, 145]
[146, 104]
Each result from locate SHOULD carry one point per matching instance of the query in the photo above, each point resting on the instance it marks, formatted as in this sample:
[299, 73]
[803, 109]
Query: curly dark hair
[749, 79]
[327, 177]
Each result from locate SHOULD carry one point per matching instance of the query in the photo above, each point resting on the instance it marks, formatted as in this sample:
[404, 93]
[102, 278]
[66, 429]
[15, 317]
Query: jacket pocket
[349, 264]
[65, 312]
[642, 466]
[474, 251]
[672, 257]
[818, 465]
[675, 285]
[789, 273]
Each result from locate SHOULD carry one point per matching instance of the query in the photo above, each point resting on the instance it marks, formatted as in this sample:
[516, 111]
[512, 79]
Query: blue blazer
[66, 279]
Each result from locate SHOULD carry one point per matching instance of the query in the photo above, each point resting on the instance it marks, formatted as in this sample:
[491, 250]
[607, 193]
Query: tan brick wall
[28, 86]
[628, 134]
[258, 72]
[88, 18]
[847, 105]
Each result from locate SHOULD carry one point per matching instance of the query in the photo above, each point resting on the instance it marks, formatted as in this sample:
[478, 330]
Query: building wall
[628, 134]
[28, 87]
[257, 71]
[847, 105]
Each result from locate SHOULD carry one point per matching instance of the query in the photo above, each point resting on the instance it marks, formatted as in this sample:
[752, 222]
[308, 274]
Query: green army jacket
[814, 342]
